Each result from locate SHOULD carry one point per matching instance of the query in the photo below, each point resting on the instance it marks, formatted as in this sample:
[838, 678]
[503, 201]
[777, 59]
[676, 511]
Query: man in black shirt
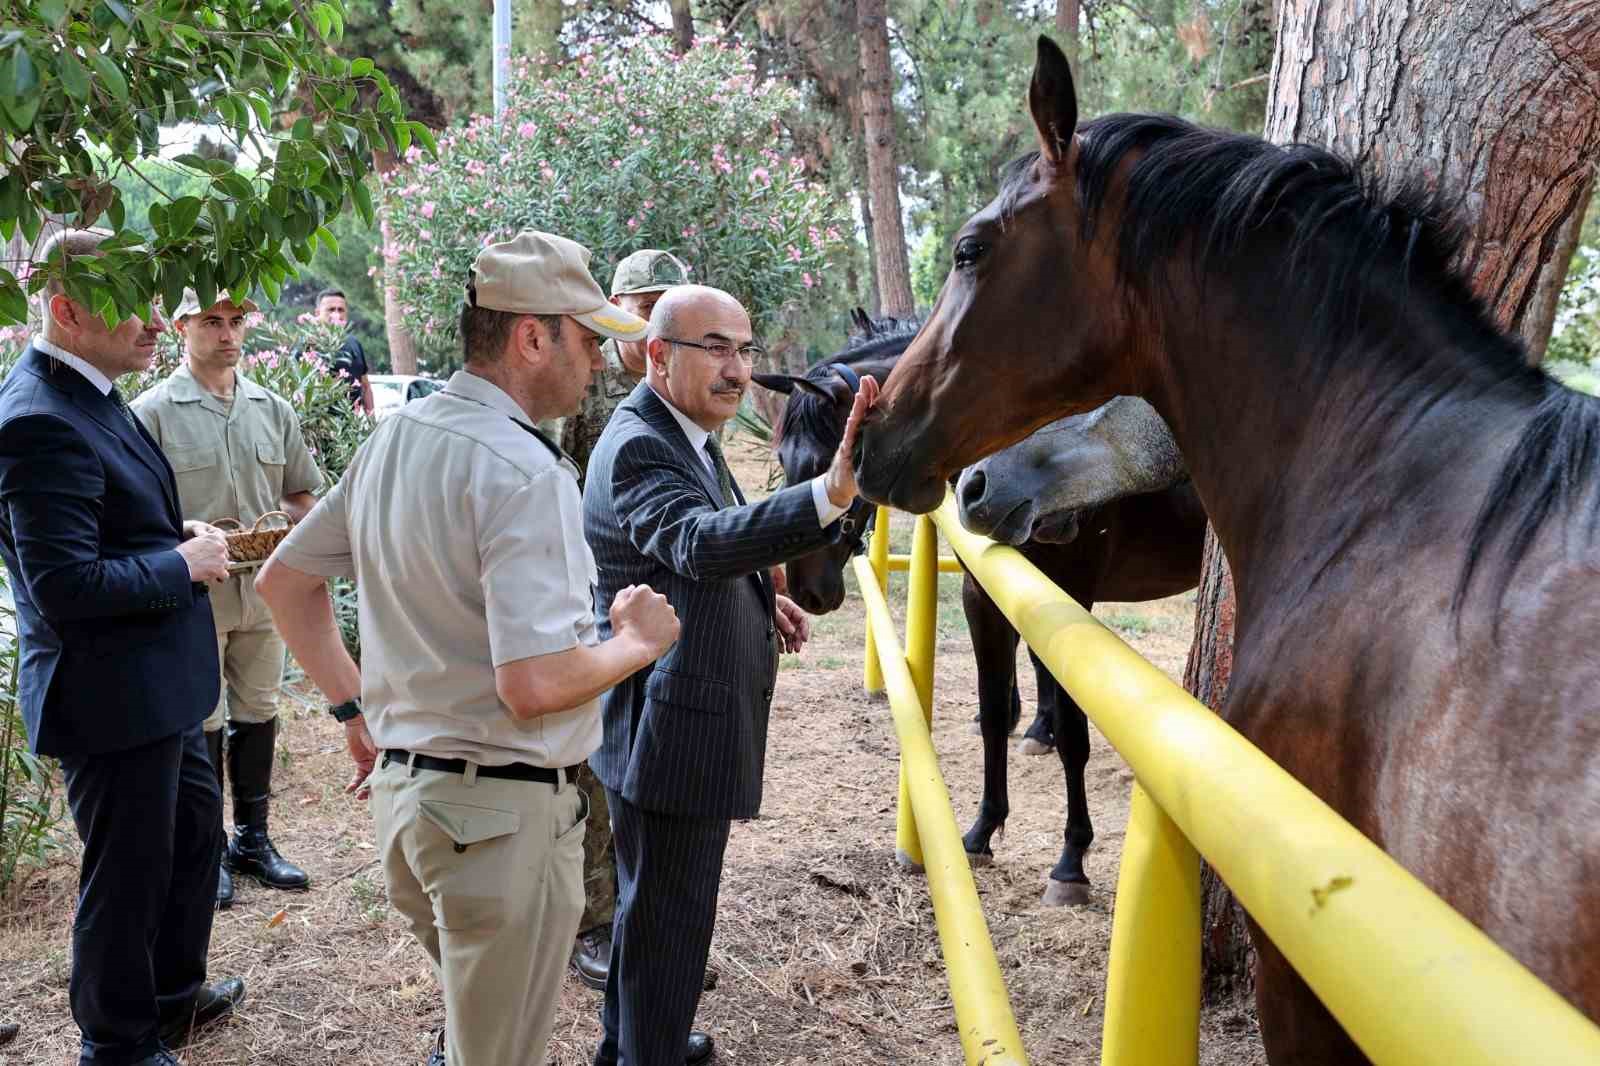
[351, 359]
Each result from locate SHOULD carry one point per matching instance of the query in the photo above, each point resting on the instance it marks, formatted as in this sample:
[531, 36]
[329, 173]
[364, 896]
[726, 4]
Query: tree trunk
[1500, 103]
[883, 177]
[1068, 14]
[1540, 320]
[858, 159]
[682, 27]
[402, 345]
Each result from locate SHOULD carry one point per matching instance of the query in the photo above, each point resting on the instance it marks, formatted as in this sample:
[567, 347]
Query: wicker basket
[250, 547]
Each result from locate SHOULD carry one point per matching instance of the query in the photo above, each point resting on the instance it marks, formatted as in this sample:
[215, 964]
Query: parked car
[392, 391]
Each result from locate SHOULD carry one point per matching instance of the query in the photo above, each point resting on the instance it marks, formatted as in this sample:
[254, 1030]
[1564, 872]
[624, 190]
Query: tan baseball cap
[190, 304]
[650, 270]
[538, 273]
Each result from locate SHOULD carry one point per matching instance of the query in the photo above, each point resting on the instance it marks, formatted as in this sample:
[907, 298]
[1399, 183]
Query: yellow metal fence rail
[1413, 982]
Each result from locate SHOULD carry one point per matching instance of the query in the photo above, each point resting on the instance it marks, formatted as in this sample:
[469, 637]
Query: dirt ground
[825, 951]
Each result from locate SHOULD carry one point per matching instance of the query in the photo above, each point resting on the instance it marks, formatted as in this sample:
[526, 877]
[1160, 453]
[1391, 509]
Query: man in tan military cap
[238, 453]
[636, 285]
[481, 663]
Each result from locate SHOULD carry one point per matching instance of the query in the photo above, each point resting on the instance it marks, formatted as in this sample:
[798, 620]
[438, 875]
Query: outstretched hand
[840, 480]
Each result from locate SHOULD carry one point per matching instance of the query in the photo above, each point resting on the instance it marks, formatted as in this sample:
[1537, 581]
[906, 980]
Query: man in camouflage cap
[638, 283]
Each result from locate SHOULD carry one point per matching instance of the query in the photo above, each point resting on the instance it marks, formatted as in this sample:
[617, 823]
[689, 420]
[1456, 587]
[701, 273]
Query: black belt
[517, 771]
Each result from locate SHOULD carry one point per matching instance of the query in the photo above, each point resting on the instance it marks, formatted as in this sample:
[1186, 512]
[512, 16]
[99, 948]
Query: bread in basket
[250, 547]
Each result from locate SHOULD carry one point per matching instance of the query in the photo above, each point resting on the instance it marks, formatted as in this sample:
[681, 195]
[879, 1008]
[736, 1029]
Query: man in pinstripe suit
[685, 740]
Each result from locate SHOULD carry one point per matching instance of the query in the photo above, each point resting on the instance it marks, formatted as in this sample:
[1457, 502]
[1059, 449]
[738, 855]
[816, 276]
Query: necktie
[122, 406]
[724, 478]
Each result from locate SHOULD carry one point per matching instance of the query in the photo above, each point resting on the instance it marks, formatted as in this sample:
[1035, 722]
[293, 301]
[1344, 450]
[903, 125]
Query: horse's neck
[1301, 459]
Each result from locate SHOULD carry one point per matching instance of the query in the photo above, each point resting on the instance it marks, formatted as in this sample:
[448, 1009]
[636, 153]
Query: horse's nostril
[972, 488]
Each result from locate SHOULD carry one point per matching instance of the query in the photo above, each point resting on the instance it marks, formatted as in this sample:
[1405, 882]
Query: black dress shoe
[211, 1004]
[250, 852]
[436, 1056]
[700, 1048]
[591, 957]
[160, 1058]
[224, 888]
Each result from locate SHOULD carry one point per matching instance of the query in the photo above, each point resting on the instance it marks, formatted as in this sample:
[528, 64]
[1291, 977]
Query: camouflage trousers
[599, 856]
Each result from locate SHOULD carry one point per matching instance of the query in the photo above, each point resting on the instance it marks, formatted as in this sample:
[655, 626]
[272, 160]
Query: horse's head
[1031, 323]
[1034, 489]
[808, 435]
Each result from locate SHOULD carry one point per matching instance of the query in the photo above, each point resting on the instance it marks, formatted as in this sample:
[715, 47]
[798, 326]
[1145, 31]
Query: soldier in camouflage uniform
[638, 283]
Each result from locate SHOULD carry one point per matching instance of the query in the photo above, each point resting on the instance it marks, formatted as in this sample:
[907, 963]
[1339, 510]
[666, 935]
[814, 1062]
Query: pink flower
[633, 223]
[760, 174]
[427, 209]
[546, 173]
[527, 130]
[794, 254]
[806, 278]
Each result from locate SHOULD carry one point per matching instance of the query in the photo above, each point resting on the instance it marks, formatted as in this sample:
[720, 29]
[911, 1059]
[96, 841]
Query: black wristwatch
[345, 711]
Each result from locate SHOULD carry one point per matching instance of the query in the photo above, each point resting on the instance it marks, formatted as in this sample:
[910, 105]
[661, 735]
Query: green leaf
[157, 216]
[115, 83]
[324, 16]
[24, 75]
[13, 304]
[270, 286]
[360, 68]
[182, 215]
[205, 285]
[117, 211]
[425, 135]
[219, 222]
[303, 129]
[74, 76]
[262, 109]
[120, 11]
[174, 279]
[328, 239]
[236, 186]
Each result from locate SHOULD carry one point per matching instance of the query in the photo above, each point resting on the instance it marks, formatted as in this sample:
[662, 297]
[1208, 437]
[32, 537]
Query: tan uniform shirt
[232, 460]
[465, 533]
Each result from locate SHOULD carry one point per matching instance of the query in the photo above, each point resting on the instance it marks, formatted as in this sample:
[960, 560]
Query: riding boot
[251, 748]
[224, 879]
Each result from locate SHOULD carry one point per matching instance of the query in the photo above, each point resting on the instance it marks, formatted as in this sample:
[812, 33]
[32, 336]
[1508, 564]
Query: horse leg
[994, 645]
[1069, 885]
[1040, 739]
[1016, 714]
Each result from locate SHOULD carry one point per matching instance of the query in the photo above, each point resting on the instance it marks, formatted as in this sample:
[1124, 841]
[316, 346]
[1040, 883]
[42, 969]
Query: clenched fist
[644, 615]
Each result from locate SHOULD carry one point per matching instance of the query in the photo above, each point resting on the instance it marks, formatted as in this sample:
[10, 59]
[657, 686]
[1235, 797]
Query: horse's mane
[809, 414]
[1198, 199]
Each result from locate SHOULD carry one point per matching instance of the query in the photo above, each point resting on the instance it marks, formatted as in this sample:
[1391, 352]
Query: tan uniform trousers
[489, 875]
[251, 654]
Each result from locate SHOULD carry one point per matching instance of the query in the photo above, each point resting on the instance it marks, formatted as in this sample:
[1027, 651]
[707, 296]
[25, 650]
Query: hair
[327, 294]
[1212, 203]
[68, 244]
[485, 332]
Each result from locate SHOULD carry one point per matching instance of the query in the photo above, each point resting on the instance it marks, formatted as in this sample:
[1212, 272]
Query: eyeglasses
[722, 351]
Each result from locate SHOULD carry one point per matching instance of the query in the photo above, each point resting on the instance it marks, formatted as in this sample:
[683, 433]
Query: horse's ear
[776, 382]
[861, 320]
[1053, 100]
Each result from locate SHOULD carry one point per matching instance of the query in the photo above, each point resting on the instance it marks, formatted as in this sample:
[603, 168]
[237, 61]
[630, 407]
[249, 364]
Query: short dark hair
[485, 332]
[326, 293]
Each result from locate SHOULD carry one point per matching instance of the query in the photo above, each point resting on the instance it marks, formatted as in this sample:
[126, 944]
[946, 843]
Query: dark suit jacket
[688, 736]
[117, 645]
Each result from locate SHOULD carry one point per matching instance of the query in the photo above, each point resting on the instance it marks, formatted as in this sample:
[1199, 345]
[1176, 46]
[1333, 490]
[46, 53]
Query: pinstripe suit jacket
[688, 735]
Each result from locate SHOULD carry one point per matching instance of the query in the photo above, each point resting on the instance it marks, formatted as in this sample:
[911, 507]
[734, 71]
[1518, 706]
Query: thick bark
[402, 345]
[1068, 16]
[1499, 103]
[1540, 320]
[883, 176]
[682, 27]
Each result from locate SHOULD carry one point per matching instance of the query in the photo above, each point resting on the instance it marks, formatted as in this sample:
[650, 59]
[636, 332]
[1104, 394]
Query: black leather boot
[224, 879]
[251, 748]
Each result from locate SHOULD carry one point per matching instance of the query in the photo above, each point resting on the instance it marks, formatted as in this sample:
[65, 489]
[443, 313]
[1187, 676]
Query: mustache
[728, 388]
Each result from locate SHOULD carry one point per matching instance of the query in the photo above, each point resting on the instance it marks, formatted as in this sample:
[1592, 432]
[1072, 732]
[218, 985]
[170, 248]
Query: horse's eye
[968, 251]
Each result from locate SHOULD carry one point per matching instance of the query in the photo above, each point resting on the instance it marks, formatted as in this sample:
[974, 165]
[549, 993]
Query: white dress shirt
[61, 355]
[827, 511]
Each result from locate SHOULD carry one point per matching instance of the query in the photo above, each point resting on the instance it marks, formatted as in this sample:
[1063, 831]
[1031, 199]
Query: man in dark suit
[686, 739]
[118, 670]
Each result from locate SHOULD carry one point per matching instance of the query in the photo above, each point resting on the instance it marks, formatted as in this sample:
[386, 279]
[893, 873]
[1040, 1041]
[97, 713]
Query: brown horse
[1411, 512]
[1133, 532]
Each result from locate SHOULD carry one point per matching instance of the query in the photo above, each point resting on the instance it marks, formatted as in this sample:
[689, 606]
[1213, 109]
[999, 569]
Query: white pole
[502, 53]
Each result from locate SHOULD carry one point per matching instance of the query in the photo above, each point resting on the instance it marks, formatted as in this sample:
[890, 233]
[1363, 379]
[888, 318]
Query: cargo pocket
[470, 879]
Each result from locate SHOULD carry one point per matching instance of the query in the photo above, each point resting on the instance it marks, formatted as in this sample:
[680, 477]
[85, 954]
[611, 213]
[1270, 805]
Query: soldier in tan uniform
[238, 452]
[481, 664]
[637, 284]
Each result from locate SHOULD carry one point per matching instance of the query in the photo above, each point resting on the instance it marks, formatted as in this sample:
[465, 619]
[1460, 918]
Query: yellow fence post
[922, 607]
[1153, 983]
[878, 555]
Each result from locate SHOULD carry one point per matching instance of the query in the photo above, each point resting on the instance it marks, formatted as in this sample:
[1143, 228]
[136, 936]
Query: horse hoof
[979, 859]
[906, 862]
[1065, 894]
[1036, 747]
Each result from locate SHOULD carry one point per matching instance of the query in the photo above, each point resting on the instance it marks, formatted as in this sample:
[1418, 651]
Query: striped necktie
[724, 478]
